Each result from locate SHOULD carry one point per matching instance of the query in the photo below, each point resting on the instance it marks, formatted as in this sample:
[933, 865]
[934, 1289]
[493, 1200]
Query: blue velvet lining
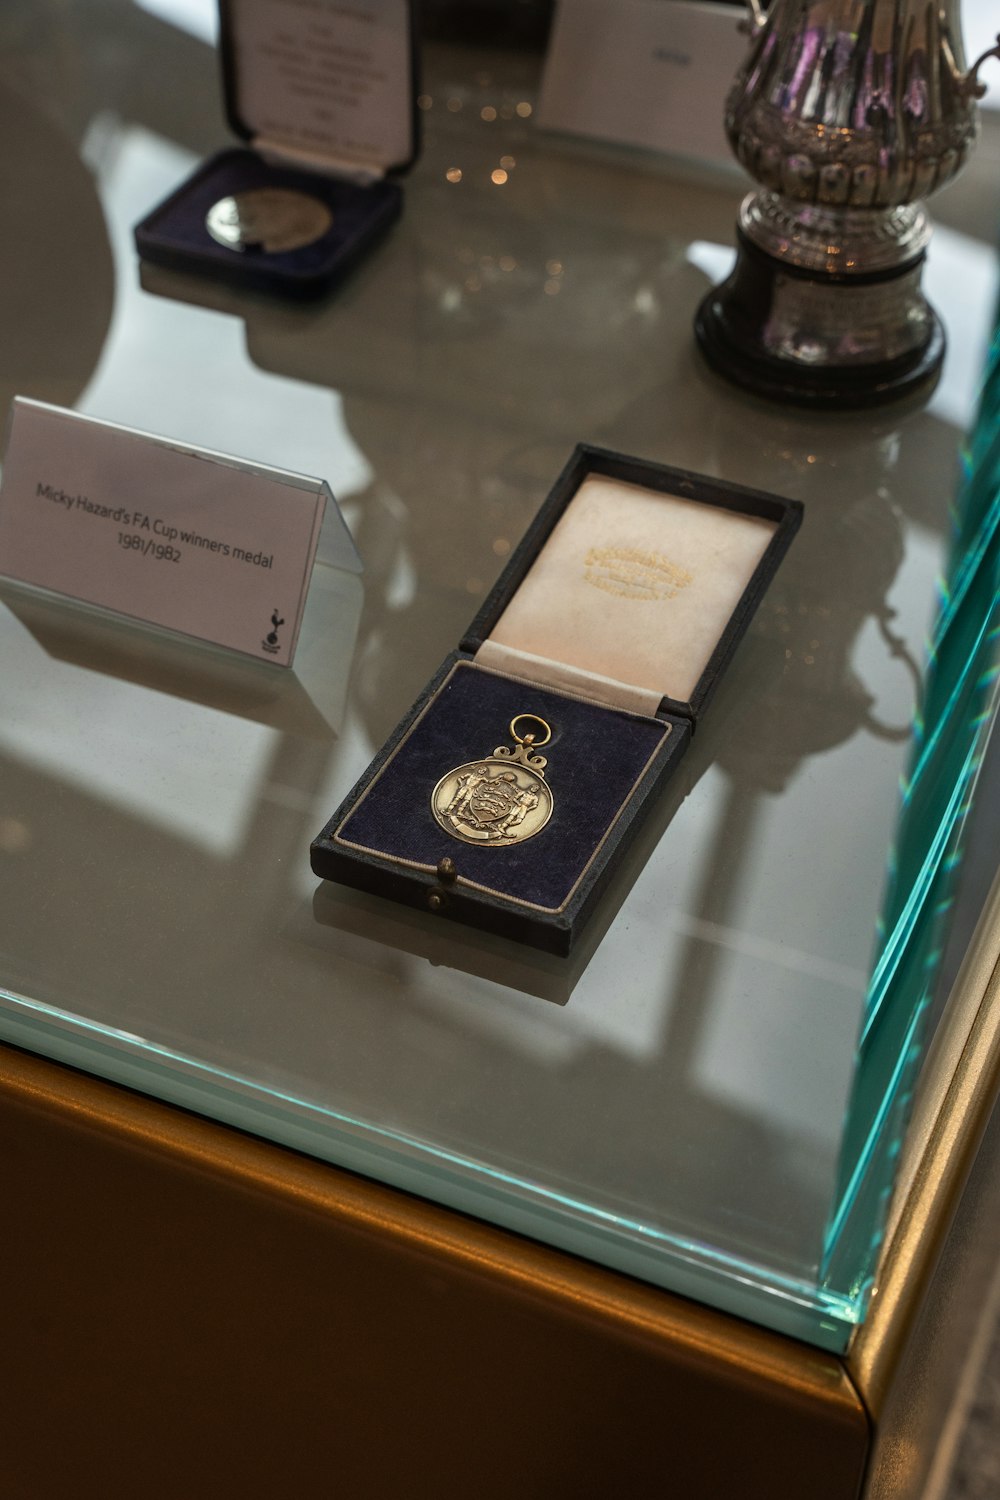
[595, 758]
[176, 229]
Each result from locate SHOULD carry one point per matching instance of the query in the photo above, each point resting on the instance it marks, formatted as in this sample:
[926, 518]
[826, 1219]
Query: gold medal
[503, 798]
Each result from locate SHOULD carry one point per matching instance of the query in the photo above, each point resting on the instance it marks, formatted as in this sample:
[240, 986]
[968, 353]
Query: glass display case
[710, 1093]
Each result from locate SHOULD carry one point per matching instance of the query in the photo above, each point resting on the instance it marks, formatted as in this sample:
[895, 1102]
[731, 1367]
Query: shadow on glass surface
[53, 336]
[307, 699]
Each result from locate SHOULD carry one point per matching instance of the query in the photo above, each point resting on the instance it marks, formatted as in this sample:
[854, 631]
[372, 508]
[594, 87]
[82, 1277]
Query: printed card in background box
[651, 73]
[176, 536]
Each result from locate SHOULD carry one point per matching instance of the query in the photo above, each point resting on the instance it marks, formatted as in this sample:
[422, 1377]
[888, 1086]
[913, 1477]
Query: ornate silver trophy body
[848, 113]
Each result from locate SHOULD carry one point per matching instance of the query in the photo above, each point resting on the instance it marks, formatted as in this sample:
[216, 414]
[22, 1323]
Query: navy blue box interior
[174, 233]
[596, 759]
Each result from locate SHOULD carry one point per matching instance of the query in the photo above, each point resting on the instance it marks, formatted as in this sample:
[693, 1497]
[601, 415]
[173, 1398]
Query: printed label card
[179, 537]
[652, 73]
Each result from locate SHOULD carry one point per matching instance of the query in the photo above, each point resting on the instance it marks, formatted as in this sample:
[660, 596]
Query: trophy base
[814, 339]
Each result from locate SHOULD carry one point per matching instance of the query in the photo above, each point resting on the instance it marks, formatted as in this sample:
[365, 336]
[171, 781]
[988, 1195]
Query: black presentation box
[613, 622]
[325, 96]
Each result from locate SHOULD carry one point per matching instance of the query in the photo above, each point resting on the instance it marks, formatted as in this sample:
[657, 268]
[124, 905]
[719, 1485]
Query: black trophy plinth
[820, 340]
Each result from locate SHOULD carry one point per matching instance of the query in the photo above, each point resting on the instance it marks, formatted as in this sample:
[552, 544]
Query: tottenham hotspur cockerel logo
[270, 643]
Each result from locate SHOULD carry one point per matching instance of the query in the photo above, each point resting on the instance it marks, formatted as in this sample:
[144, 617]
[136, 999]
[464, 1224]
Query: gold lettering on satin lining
[631, 573]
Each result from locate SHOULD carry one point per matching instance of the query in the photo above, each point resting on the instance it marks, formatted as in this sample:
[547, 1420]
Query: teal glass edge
[950, 735]
[815, 1314]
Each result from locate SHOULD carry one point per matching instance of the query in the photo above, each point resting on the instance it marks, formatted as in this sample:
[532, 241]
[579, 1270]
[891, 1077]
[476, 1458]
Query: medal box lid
[323, 87]
[634, 584]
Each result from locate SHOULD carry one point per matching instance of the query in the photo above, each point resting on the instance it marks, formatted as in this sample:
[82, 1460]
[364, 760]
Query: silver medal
[268, 219]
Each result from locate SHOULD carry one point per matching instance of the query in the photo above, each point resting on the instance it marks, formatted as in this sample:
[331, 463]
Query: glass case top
[685, 1098]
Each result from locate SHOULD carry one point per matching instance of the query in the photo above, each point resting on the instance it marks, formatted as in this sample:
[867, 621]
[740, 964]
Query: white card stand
[650, 73]
[169, 535]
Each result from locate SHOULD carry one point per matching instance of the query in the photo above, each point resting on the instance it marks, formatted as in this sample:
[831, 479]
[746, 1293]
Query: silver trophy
[848, 113]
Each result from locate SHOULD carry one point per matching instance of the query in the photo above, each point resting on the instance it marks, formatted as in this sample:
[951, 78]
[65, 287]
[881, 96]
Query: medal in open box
[503, 798]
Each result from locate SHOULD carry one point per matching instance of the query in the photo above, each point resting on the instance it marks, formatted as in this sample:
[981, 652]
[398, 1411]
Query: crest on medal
[499, 800]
